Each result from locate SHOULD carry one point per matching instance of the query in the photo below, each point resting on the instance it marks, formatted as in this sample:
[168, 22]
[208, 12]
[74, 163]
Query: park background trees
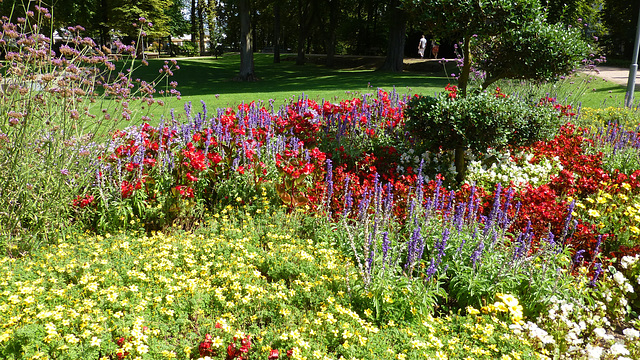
[332, 27]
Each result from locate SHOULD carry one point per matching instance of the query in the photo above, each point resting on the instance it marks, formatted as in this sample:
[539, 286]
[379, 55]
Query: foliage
[599, 118]
[536, 51]
[584, 14]
[621, 18]
[504, 30]
[125, 13]
[478, 122]
[622, 148]
[188, 49]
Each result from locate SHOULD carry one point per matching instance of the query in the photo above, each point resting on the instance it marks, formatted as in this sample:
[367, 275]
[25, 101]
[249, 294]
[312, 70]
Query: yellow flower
[441, 355]
[472, 311]
[500, 306]
[634, 229]
[593, 213]
[508, 299]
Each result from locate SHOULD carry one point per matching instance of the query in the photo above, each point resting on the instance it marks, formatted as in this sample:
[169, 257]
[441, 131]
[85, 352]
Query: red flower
[191, 177]
[273, 354]
[205, 346]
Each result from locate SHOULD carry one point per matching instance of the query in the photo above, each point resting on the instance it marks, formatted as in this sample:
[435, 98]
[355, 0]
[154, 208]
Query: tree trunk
[395, 50]
[463, 80]
[302, 34]
[201, 14]
[246, 49]
[276, 33]
[461, 167]
[331, 39]
[211, 22]
[193, 21]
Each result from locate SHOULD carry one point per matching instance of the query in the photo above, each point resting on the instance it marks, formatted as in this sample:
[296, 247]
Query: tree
[177, 24]
[621, 18]
[497, 27]
[125, 14]
[276, 32]
[533, 52]
[395, 48]
[246, 47]
[306, 15]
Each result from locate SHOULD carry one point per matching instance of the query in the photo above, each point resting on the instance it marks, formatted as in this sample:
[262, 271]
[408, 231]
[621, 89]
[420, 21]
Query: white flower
[628, 287]
[600, 332]
[619, 278]
[95, 341]
[619, 349]
[566, 308]
[631, 333]
[594, 352]
[627, 261]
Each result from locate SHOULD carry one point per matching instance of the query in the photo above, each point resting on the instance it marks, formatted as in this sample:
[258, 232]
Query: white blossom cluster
[502, 168]
[438, 162]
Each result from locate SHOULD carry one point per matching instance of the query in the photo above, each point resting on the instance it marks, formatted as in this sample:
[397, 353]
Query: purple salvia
[348, 202]
[503, 220]
[567, 221]
[204, 109]
[329, 181]
[597, 249]
[494, 210]
[577, 259]
[439, 253]
[596, 274]
[477, 254]
[458, 219]
[385, 248]
[373, 244]
[187, 109]
[363, 206]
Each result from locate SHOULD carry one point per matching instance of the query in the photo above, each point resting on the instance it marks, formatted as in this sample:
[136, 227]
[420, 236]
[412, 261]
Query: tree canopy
[503, 38]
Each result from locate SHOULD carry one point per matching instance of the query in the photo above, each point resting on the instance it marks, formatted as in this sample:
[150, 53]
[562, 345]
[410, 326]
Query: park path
[617, 75]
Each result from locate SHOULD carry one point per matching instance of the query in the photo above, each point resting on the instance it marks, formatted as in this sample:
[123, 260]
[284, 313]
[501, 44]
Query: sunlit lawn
[210, 80]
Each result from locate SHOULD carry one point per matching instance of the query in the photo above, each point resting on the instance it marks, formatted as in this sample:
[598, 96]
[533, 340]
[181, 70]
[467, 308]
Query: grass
[211, 80]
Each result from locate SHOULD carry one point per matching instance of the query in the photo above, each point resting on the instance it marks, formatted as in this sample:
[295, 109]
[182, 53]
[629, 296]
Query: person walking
[434, 49]
[422, 46]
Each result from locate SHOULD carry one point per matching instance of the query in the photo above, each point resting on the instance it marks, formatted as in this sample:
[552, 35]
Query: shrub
[478, 121]
[188, 49]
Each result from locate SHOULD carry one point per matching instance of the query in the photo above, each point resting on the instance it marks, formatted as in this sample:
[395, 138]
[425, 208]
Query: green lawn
[211, 80]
